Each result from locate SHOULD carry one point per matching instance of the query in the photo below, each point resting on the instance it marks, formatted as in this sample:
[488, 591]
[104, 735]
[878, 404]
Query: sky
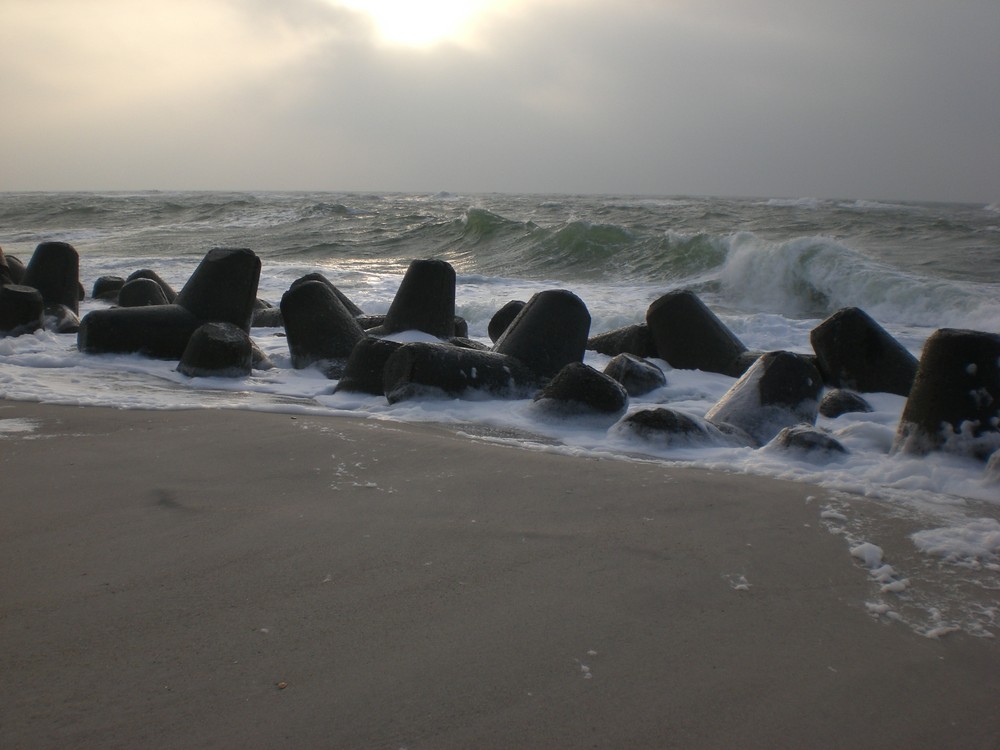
[866, 99]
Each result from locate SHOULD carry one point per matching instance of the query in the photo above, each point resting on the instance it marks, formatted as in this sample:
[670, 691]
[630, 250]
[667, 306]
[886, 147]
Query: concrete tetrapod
[54, 270]
[550, 332]
[223, 288]
[420, 369]
[689, 336]
[781, 389]
[855, 352]
[954, 404]
[425, 301]
[320, 329]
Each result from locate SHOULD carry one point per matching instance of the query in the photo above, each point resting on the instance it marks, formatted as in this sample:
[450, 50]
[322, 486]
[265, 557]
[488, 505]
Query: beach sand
[224, 579]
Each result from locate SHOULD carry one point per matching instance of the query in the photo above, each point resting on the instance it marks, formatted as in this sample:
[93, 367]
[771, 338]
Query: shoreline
[240, 578]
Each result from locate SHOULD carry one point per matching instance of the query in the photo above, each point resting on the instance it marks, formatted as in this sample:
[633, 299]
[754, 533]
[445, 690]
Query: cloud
[893, 99]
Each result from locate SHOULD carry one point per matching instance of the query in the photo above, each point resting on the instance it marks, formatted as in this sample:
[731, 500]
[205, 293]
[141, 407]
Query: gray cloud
[877, 100]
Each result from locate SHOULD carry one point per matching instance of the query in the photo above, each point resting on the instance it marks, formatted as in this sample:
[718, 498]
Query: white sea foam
[974, 541]
[47, 367]
[869, 554]
[10, 427]
[865, 206]
[794, 202]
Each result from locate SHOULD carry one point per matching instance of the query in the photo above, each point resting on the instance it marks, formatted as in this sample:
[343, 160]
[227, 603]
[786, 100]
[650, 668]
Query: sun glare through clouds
[420, 24]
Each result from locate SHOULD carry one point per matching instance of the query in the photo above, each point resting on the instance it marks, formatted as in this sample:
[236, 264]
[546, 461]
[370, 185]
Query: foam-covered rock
[580, 388]
[841, 401]
[219, 350]
[550, 332]
[781, 389]
[60, 319]
[954, 403]
[636, 375]
[259, 359]
[689, 336]
[673, 428]
[422, 369]
[992, 474]
[808, 439]
[855, 352]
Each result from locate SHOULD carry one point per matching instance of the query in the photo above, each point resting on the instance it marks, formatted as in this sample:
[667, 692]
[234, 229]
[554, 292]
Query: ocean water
[772, 269]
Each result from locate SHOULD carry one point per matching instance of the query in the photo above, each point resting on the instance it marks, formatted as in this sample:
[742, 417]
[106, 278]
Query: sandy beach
[227, 579]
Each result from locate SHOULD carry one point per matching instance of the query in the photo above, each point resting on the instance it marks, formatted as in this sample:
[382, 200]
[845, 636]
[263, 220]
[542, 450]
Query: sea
[771, 268]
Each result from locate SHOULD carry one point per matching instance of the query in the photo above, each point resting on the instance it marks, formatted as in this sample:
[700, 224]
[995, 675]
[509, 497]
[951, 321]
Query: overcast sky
[881, 99]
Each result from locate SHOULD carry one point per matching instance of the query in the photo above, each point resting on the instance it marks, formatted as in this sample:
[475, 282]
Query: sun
[420, 23]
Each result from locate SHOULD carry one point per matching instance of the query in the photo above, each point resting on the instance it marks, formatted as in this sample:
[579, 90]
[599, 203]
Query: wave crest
[816, 276]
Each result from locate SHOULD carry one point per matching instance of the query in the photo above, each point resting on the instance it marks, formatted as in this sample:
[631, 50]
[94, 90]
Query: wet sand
[220, 579]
